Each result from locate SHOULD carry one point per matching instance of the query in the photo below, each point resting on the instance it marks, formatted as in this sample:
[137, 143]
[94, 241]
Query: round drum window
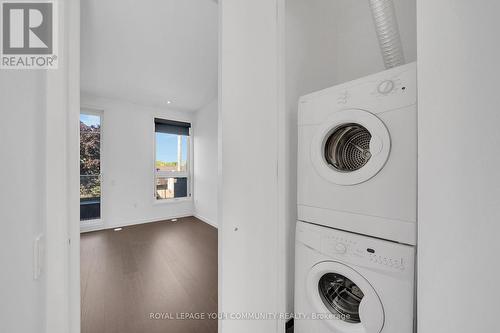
[341, 296]
[348, 147]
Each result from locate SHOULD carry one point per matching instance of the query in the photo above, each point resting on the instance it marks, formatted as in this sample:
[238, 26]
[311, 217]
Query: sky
[90, 120]
[166, 147]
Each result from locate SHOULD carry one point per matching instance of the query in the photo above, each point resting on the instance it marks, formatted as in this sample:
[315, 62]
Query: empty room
[148, 165]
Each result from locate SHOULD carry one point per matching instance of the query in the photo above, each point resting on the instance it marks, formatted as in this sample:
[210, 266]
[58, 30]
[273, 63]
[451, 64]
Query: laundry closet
[333, 42]
[352, 94]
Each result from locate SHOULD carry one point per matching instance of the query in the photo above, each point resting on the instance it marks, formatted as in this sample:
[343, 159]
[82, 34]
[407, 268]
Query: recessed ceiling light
[118, 229]
[169, 102]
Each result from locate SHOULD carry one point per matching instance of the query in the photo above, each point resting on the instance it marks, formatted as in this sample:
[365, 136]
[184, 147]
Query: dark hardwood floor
[163, 267]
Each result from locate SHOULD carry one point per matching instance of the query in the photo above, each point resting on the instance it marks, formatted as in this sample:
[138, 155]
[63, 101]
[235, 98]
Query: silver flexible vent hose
[386, 26]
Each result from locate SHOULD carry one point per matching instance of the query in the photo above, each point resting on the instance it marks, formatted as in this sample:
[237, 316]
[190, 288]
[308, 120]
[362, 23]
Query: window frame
[88, 225]
[174, 174]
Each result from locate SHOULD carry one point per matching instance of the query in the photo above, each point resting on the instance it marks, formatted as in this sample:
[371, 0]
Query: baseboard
[131, 223]
[207, 221]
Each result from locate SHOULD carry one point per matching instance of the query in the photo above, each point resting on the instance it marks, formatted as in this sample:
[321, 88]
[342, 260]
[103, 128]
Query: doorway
[148, 166]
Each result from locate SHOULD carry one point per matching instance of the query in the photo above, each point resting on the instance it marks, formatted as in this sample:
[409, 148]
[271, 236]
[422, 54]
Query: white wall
[327, 43]
[330, 42]
[249, 233]
[459, 179]
[22, 198]
[205, 160]
[128, 154]
[357, 51]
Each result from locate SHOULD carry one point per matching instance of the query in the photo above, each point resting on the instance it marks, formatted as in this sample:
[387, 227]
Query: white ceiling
[150, 51]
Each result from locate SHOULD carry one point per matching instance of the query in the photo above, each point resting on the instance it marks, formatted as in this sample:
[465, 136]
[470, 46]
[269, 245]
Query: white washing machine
[357, 156]
[349, 283]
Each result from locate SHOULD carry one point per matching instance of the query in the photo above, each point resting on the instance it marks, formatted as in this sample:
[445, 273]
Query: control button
[385, 87]
[340, 248]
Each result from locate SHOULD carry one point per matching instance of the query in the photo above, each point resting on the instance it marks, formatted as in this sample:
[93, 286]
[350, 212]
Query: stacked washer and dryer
[357, 206]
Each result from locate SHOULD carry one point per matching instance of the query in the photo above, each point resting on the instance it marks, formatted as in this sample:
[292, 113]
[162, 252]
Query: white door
[22, 199]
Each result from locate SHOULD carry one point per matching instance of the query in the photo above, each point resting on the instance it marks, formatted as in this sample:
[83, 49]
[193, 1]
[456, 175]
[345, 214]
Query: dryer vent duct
[386, 26]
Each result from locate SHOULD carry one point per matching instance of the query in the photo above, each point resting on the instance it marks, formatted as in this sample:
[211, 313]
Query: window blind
[171, 127]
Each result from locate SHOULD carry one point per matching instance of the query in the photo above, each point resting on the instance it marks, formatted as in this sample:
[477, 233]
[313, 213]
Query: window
[172, 165]
[90, 165]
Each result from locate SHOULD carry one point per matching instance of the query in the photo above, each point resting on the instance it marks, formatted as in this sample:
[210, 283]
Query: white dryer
[349, 283]
[357, 156]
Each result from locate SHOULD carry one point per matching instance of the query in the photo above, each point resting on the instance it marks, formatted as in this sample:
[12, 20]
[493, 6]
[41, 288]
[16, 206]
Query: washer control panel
[338, 245]
[357, 249]
[397, 263]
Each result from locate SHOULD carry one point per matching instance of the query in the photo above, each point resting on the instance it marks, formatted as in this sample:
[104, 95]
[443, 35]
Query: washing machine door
[343, 299]
[350, 147]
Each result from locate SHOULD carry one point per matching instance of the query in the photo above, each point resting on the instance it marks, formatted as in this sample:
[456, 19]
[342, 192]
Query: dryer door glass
[341, 296]
[347, 147]
[350, 147]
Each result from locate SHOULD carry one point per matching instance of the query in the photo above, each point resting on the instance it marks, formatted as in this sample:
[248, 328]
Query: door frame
[61, 266]
[62, 233]
[73, 40]
[63, 311]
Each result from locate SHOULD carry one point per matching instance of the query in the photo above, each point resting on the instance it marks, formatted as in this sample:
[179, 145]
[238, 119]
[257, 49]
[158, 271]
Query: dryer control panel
[356, 249]
[391, 89]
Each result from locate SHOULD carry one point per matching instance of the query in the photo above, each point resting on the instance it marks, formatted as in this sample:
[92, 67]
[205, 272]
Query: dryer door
[343, 299]
[351, 147]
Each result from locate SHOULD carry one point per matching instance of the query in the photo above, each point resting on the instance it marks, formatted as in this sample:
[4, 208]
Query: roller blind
[171, 127]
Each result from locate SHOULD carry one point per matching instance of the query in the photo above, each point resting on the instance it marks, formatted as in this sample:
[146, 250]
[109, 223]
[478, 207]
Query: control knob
[340, 248]
[385, 87]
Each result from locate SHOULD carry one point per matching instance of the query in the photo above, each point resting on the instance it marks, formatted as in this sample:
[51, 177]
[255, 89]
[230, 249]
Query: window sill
[92, 222]
[172, 201]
